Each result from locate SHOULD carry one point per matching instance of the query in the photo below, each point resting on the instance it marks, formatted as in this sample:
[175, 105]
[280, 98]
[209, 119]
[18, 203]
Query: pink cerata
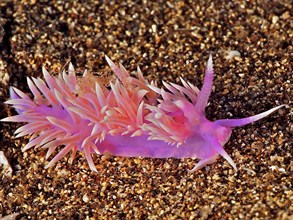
[134, 118]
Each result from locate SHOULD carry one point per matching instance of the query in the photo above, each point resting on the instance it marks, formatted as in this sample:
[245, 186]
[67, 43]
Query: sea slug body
[131, 118]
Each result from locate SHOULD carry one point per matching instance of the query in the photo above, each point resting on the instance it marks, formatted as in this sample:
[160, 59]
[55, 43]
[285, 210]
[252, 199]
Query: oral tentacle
[218, 147]
[244, 121]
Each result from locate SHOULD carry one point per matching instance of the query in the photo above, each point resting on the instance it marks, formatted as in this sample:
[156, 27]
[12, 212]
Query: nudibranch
[130, 118]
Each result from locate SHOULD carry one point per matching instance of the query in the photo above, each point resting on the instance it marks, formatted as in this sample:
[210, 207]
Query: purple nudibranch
[134, 118]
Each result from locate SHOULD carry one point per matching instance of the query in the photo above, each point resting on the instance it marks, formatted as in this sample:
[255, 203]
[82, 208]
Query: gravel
[166, 40]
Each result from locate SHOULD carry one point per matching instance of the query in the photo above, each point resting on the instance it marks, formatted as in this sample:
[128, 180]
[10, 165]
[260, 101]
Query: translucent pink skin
[134, 118]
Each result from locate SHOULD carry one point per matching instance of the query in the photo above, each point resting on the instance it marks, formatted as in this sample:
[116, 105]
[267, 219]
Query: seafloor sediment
[167, 40]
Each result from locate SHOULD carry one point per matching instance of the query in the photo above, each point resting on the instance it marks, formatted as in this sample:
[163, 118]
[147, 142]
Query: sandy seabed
[167, 40]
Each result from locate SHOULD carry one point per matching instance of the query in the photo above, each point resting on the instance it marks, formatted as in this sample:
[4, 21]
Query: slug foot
[204, 162]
